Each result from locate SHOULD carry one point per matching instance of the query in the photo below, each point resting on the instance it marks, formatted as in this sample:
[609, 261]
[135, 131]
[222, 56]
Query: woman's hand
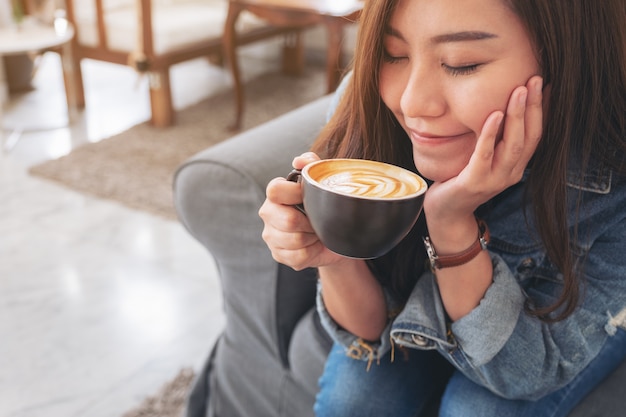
[352, 296]
[287, 231]
[499, 159]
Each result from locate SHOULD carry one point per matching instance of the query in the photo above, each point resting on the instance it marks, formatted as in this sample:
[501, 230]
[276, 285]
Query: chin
[436, 172]
[438, 177]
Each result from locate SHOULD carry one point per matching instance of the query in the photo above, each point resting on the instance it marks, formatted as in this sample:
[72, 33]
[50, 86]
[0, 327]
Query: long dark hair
[581, 48]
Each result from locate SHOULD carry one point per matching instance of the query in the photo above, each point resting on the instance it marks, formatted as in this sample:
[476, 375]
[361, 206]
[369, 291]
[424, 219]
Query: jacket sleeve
[355, 347]
[512, 353]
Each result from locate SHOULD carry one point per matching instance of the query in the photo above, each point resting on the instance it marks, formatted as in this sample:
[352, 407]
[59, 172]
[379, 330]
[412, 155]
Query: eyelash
[390, 59]
[455, 71]
[463, 70]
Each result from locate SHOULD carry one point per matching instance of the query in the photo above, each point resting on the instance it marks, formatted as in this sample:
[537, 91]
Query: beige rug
[135, 167]
[169, 401]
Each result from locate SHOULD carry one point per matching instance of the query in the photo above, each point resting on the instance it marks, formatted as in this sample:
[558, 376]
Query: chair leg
[230, 50]
[161, 98]
[293, 54]
[73, 79]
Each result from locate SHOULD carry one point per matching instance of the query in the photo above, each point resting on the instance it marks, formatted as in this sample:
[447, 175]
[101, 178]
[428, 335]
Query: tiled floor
[99, 304]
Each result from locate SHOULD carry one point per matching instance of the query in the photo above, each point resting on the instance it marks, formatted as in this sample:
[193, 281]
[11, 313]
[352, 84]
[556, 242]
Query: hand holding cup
[359, 208]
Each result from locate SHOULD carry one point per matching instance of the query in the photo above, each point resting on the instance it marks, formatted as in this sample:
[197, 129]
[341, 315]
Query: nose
[423, 95]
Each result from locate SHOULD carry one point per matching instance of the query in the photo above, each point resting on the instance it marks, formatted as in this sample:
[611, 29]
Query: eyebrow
[463, 36]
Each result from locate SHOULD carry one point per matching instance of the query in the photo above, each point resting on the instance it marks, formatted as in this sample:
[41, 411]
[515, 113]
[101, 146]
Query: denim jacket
[498, 344]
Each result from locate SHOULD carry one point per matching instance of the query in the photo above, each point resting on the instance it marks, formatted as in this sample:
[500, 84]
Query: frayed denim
[399, 388]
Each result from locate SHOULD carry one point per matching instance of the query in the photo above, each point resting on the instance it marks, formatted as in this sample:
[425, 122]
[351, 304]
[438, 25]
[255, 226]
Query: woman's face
[448, 65]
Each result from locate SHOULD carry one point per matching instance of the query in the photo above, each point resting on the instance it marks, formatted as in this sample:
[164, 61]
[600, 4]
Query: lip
[429, 138]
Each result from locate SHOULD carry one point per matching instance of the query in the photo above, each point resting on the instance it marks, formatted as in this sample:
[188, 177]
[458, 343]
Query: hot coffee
[372, 179]
[360, 208]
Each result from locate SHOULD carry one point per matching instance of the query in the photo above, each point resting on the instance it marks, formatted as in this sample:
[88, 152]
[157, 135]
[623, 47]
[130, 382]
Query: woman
[515, 111]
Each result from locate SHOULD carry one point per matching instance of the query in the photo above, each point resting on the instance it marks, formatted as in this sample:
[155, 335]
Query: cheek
[473, 103]
[391, 88]
[491, 91]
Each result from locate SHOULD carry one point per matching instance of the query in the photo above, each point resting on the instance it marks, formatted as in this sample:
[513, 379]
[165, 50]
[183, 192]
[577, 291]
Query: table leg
[7, 142]
[293, 54]
[230, 50]
[69, 80]
[4, 92]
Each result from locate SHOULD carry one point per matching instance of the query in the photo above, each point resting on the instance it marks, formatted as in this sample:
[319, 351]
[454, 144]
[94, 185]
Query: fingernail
[539, 86]
[521, 99]
[499, 119]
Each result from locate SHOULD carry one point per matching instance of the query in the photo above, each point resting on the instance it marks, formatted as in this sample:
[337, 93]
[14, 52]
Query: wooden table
[34, 37]
[334, 14]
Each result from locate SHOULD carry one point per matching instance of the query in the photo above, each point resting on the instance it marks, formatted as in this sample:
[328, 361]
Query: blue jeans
[406, 387]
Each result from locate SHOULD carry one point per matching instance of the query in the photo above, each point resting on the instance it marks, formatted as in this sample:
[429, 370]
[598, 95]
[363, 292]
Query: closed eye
[461, 70]
[391, 59]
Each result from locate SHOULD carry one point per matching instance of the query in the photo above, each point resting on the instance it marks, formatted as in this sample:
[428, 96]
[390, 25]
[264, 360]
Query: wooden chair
[152, 35]
[334, 14]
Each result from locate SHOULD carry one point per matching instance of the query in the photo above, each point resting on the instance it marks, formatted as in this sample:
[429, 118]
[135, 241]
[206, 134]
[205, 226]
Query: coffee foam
[366, 179]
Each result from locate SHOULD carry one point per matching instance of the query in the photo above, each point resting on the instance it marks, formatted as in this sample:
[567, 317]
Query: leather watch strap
[447, 261]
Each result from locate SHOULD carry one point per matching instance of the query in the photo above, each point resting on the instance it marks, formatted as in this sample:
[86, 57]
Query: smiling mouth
[430, 138]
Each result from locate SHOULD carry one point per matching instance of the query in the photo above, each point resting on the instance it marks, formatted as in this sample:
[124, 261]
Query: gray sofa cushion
[218, 193]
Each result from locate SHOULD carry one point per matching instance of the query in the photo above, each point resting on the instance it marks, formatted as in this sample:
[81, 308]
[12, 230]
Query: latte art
[367, 179]
[359, 208]
[368, 183]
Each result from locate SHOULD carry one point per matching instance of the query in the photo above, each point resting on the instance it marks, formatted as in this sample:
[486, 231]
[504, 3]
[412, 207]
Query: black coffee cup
[359, 208]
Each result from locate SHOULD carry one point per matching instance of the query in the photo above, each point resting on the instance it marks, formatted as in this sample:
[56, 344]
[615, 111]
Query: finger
[298, 258]
[281, 191]
[483, 155]
[279, 209]
[510, 149]
[283, 218]
[520, 154]
[534, 115]
[306, 158]
[514, 134]
[287, 247]
[288, 240]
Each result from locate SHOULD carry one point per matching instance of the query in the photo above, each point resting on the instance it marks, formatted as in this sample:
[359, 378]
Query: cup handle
[296, 176]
